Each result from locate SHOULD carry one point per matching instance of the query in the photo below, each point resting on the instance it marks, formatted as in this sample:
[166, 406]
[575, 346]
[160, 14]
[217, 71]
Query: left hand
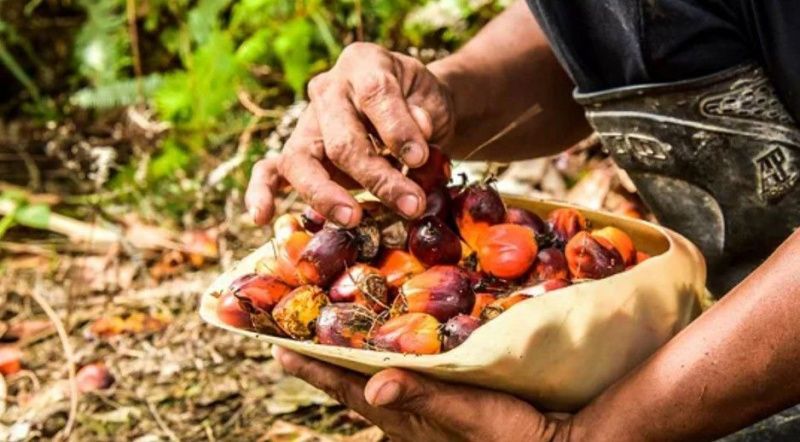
[410, 407]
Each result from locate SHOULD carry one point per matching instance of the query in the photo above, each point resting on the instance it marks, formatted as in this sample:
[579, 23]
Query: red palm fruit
[441, 291]
[296, 314]
[545, 287]
[494, 309]
[565, 223]
[437, 203]
[363, 285]
[284, 264]
[550, 264]
[516, 215]
[641, 257]
[312, 220]
[10, 360]
[261, 292]
[482, 282]
[457, 330]
[507, 251]
[432, 242]
[481, 301]
[592, 258]
[398, 266]
[285, 225]
[93, 377]
[326, 256]
[621, 241]
[434, 173]
[345, 325]
[477, 207]
[415, 333]
[230, 312]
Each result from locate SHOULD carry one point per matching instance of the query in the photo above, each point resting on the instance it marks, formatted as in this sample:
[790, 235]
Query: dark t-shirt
[612, 43]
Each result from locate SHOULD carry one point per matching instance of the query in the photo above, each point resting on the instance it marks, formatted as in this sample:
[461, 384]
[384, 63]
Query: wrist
[460, 84]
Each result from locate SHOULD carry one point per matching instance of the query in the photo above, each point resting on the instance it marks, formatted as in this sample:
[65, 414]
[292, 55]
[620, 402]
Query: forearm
[735, 364]
[502, 72]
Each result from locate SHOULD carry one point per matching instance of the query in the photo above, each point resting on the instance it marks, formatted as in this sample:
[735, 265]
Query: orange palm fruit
[398, 266]
[296, 314]
[507, 251]
[261, 292]
[345, 325]
[481, 301]
[497, 307]
[550, 264]
[230, 312]
[441, 291]
[414, 333]
[361, 284]
[565, 223]
[620, 240]
[477, 207]
[590, 257]
[330, 251]
[283, 264]
[285, 225]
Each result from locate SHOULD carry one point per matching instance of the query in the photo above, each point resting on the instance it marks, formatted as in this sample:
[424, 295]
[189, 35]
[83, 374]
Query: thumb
[405, 391]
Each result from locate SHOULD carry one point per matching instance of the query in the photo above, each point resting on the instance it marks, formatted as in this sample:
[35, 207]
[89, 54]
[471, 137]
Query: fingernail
[386, 394]
[342, 215]
[412, 154]
[408, 205]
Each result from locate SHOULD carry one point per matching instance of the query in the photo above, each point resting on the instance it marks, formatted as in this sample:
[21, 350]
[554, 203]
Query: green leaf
[172, 158]
[293, 47]
[33, 215]
[117, 94]
[257, 48]
[204, 19]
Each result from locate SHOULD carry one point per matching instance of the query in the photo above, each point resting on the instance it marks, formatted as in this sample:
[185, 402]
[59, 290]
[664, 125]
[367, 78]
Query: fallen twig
[70, 355]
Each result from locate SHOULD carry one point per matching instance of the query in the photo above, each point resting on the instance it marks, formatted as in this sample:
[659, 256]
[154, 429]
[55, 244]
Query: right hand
[369, 90]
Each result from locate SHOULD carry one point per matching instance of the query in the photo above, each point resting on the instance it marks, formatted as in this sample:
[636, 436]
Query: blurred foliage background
[163, 105]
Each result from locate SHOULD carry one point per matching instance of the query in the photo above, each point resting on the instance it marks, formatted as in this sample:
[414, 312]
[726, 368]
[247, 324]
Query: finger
[456, 407]
[347, 146]
[314, 184]
[302, 164]
[259, 197]
[344, 386]
[377, 94]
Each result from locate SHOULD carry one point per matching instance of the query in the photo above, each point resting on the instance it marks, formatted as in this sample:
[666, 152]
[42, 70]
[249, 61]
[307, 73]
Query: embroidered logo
[776, 173]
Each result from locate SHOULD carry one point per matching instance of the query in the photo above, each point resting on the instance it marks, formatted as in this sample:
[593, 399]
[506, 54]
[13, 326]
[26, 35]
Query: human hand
[410, 407]
[370, 90]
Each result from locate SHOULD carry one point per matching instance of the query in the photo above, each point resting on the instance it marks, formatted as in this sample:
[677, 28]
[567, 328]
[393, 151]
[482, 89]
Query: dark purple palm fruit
[435, 173]
[312, 220]
[432, 242]
[457, 330]
[345, 325]
[477, 207]
[516, 215]
[438, 204]
[441, 291]
[327, 255]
